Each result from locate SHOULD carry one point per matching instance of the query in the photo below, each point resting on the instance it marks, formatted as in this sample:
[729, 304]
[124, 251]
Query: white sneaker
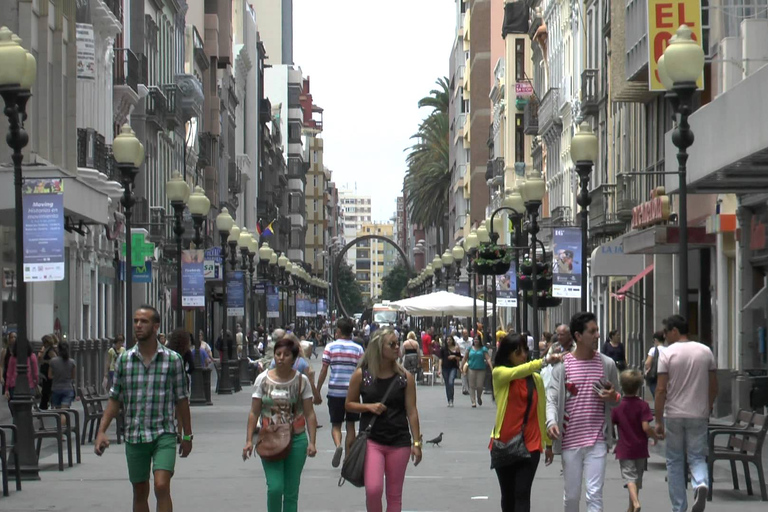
[700, 498]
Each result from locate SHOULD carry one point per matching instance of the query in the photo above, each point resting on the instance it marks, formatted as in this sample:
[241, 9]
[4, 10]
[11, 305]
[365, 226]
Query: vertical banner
[313, 307]
[321, 307]
[567, 266]
[273, 302]
[86, 51]
[506, 288]
[192, 279]
[664, 18]
[43, 205]
[236, 293]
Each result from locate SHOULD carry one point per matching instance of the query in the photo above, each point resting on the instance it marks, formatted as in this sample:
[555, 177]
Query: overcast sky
[369, 65]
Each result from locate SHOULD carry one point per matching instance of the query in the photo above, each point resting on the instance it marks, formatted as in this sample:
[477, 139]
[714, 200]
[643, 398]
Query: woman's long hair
[510, 344]
[179, 341]
[371, 359]
[64, 350]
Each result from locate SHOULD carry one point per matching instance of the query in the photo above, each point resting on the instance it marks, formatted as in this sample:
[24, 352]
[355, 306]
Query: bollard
[201, 387]
[245, 377]
[224, 385]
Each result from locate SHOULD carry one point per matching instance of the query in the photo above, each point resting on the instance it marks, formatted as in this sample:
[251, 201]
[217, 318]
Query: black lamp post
[224, 224]
[19, 70]
[437, 267]
[483, 238]
[494, 234]
[514, 201]
[177, 192]
[584, 151]
[128, 153]
[470, 246]
[532, 192]
[679, 69]
[199, 206]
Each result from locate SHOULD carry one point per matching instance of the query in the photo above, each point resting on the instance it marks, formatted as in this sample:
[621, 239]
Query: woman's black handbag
[353, 469]
[505, 454]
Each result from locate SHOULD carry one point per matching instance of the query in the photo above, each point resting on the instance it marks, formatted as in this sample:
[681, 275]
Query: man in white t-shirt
[685, 393]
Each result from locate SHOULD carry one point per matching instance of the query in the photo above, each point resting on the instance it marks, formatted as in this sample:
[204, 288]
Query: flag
[259, 227]
[268, 230]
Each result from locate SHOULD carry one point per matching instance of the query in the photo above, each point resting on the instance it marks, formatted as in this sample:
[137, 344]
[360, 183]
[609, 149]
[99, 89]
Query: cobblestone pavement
[454, 477]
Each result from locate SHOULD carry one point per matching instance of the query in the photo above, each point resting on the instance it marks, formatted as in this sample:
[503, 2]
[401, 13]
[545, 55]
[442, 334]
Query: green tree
[349, 289]
[394, 283]
[428, 178]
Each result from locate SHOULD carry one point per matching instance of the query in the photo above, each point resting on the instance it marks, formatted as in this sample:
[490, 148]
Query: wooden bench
[7, 450]
[745, 444]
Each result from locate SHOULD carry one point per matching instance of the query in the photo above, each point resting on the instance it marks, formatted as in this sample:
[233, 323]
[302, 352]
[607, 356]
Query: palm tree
[428, 179]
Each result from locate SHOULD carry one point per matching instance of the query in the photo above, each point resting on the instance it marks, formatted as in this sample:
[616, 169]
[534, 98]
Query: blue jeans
[685, 436]
[448, 377]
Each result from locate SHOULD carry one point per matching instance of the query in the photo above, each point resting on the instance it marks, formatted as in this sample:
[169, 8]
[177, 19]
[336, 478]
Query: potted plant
[543, 280]
[493, 260]
[526, 267]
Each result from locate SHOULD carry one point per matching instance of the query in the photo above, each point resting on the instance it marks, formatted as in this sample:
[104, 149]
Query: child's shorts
[632, 471]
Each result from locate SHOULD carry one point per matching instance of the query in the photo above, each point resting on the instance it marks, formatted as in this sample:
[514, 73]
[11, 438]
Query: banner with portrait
[567, 265]
[273, 302]
[506, 288]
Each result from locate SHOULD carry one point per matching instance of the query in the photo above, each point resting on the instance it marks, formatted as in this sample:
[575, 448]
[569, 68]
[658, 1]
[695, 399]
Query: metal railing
[173, 105]
[531, 117]
[92, 151]
[548, 111]
[155, 105]
[589, 92]
[126, 69]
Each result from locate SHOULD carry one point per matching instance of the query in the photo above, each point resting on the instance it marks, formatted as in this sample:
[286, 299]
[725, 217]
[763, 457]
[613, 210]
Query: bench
[8, 449]
[93, 409]
[745, 445]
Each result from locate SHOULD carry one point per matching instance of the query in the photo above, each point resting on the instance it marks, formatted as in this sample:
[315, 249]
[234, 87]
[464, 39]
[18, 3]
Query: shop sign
[523, 89]
[651, 212]
[664, 17]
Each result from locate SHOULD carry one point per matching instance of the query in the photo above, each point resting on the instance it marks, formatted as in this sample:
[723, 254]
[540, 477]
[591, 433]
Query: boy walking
[632, 419]
[341, 356]
[151, 384]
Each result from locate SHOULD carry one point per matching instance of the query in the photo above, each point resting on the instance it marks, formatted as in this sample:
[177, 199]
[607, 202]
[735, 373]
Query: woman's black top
[49, 354]
[189, 362]
[449, 364]
[391, 427]
[616, 353]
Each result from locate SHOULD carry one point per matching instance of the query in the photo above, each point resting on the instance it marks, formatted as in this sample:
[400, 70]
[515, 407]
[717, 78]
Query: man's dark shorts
[338, 412]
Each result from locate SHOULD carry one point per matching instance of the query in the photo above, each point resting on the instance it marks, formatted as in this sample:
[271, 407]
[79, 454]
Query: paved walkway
[455, 477]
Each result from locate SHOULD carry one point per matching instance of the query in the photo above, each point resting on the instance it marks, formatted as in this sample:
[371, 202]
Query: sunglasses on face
[393, 344]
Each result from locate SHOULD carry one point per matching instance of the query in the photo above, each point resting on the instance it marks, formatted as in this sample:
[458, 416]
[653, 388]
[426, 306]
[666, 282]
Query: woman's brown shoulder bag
[274, 441]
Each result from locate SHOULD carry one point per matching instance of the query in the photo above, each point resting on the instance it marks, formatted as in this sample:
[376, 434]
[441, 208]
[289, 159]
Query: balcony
[235, 179]
[116, 6]
[92, 152]
[198, 50]
[173, 115]
[561, 215]
[549, 114]
[494, 172]
[192, 99]
[265, 111]
[603, 220]
[590, 98]
[531, 117]
[155, 105]
[205, 150]
[126, 69]
[461, 121]
[628, 196]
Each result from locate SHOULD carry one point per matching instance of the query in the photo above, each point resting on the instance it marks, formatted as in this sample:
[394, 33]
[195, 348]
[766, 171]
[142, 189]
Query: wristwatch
[417, 444]
[187, 438]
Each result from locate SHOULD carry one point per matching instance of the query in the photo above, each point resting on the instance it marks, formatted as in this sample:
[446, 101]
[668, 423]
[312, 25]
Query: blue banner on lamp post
[43, 205]
[273, 302]
[235, 293]
[192, 279]
[567, 266]
[506, 288]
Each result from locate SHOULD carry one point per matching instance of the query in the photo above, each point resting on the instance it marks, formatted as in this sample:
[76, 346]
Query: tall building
[276, 29]
[316, 195]
[357, 211]
[374, 259]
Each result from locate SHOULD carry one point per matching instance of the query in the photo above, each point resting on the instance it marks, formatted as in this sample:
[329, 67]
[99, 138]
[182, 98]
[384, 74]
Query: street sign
[211, 269]
[523, 89]
[140, 249]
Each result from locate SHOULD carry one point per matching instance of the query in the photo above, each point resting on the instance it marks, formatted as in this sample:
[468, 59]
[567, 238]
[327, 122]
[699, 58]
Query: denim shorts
[59, 398]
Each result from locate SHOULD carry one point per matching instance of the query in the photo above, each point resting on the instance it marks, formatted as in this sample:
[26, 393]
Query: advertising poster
[664, 17]
[506, 288]
[313, 307]
[43, 205]
[140, 275]
[192, 279]
[301, 307]
[212, 263]
[273, 302]
[235, 293]
[321, 307]
[567, 265]
[86, 51]
[462, 289]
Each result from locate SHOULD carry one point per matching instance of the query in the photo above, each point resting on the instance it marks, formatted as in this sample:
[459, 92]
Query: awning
[619, 295]
[610, 260]
[666, 240]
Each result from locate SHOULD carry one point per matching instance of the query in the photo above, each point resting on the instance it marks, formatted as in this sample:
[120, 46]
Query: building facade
[374, 259]
[357, 211]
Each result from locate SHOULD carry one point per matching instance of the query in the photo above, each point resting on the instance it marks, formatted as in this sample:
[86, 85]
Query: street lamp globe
[430, 271]
[288, 267]
[253, 246]
[457, 253]
[198, 202]
[584, 146]
[661, 65]
[127, 149]
[234, 234]
[273, 258]
[513, 200]
[534, 188]
[30, 71]
[224, 221]
[282, 261]
[437, 263]
[265, 253]
[482, 234]
[13, 59]
[176, 189]
[684, 57]
[447, 258]
[471, 242]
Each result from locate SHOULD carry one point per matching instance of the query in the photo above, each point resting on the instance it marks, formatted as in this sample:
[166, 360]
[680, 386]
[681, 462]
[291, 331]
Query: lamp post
[224, 225]
[483, 238]
[177, 192]
[514, 201]
[243, 243]
[282, 261]
[199, 206]
[253, 250]
[470, 247]
[680, 68]
[584, 151]
[532, 192]
[437, 266]
[288, 288]
[128, 153]
[18, 70]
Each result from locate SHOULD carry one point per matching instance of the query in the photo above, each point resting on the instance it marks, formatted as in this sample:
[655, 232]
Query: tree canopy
[394, 283]
[349, 289]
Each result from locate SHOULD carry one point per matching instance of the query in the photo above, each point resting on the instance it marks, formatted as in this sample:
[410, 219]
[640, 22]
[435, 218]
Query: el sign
[664, 17]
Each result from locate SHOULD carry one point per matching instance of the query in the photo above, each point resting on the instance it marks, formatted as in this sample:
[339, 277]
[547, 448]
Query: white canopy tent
[441, 303]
